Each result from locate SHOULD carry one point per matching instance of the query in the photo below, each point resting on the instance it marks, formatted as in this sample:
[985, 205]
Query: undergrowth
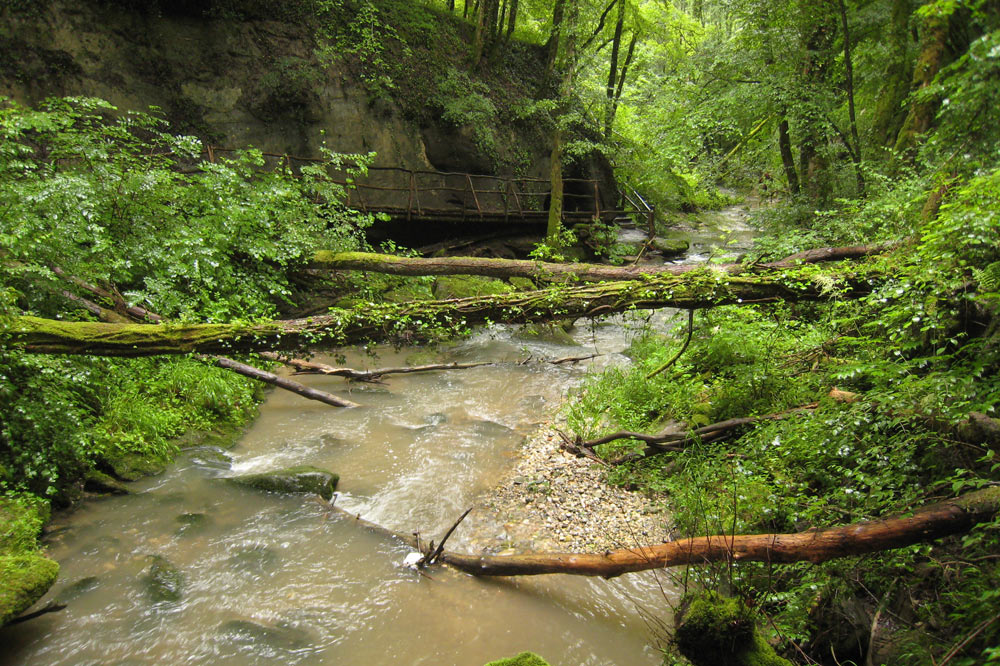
[909, 363]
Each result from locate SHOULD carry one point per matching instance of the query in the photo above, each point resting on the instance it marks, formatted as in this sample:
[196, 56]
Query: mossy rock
[523, 659]
[670, 247]
[223, 436]
[301, 479]
[411, 291]
[718, 630]
[554, 333]
[522, 284]
[24, 579]
[133, 466]
[104, 484]
[164, 581]
[464, 286]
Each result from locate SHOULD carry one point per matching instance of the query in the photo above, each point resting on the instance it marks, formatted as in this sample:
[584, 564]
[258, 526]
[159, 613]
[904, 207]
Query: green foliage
[115, 200]
[466, 102]
[104, 200]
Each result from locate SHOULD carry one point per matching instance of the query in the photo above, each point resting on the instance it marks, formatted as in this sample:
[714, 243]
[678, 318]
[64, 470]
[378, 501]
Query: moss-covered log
[409, 322]
[547, 271]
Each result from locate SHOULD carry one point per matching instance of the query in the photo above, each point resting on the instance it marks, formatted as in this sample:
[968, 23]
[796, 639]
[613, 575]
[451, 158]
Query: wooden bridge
[420, 195]
[440, 196]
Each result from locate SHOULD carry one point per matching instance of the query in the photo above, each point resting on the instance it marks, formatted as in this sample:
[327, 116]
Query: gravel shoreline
[554, 501]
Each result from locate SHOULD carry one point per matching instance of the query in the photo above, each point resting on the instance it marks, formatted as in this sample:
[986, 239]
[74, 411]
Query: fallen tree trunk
[313, 368]
[953, 516]
[547, 271]
[411, 322]
[244, 369]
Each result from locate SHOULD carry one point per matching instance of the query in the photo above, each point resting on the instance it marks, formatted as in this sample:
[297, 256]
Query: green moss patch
[25, 574]
[523, 659]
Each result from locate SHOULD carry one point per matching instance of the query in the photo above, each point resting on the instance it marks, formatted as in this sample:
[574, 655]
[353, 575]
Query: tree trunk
[616, 43]
[411, 322]
[889, 113]
[849, 80]
[512, 19]
[954, 516]
[787, 159]
[552, 45]
[553, 272]
[554, 225]
[933, 56]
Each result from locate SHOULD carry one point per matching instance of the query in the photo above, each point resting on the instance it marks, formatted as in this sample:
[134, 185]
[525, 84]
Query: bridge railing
[416, 194]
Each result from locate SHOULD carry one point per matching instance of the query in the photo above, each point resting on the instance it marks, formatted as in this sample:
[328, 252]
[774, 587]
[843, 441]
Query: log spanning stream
[278, 579]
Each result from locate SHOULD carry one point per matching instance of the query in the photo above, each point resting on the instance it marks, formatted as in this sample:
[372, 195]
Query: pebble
[554, 501]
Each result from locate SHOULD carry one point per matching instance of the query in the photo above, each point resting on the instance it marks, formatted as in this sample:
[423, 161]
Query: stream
[278, 579]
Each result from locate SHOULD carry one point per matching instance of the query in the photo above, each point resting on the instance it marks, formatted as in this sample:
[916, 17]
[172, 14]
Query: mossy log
[547, 271]
[412, 322]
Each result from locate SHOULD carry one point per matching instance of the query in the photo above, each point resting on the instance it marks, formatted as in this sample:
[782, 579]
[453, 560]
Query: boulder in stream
[300, 479]
[670, 247]
[164, 581]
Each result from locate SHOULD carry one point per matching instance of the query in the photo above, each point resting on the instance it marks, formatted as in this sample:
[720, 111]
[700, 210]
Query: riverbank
[553, 501]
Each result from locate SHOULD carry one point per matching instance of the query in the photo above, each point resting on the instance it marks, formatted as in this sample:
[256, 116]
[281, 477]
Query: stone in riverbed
[164, 581]
[191, 523]
[300, 479]
[264, 639]
[257, 559]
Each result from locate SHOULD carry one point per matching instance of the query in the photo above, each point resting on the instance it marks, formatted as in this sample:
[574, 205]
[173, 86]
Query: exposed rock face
[247, 82]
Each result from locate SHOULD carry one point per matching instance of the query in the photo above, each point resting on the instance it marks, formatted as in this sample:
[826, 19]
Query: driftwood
[548, 271]
[304, 367]
[280, 382]
[313, 368]
[678, 437]
[953, 516]
[412, 322]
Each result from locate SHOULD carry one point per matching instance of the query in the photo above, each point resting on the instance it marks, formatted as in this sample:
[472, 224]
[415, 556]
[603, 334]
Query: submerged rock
[300, 479]
[523, 659]
[280, 638]
[77, 589]
[210, 458]
[164, 581]
[191, 523]
[255, 559]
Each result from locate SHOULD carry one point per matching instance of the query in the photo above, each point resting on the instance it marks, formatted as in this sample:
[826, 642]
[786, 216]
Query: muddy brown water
[270, 579]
